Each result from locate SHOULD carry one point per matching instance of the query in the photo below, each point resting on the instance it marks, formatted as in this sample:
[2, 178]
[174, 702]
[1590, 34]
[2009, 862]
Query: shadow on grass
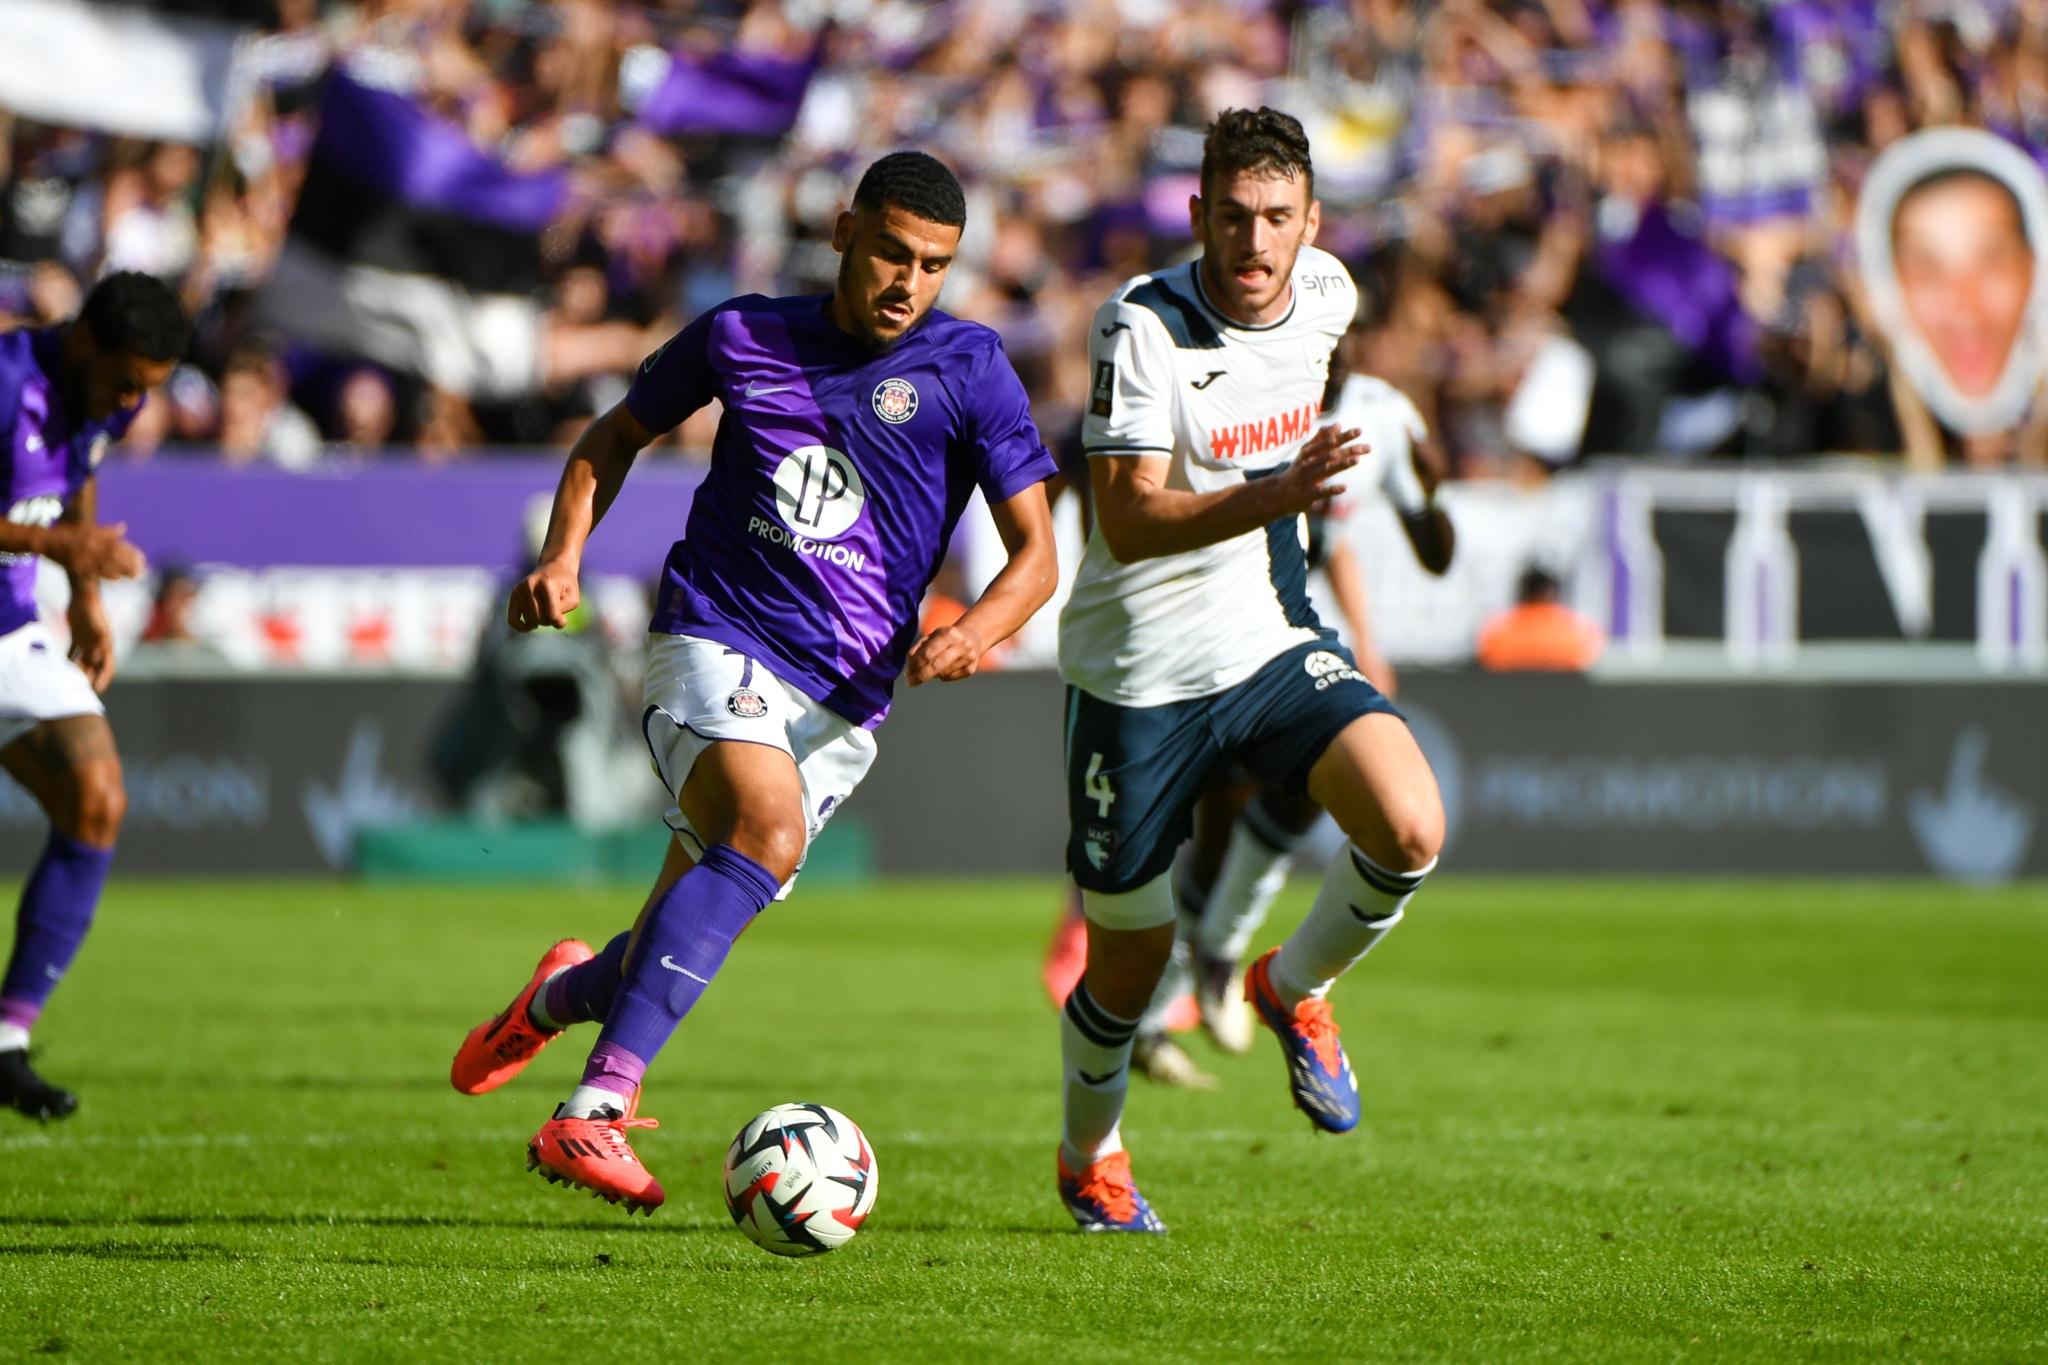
[130, 1251]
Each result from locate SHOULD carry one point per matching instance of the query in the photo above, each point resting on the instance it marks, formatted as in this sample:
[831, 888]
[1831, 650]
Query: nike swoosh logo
[756, 389]
[1214, 375]
[1103, 1079]
[670, 963]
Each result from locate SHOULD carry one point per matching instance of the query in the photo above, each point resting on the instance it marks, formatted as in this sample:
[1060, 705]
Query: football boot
[1104, 1198]
[593, 1154]
[1318, 1072]
[499, 1049]
[22, 1089]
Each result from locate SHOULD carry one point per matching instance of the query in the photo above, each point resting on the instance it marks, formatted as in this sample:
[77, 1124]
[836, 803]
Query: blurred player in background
[1189, 640]
[855, 426]
[66, 394]
[1246, 830]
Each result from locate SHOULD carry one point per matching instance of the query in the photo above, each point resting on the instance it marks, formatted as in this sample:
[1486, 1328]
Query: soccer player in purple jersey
[66, 394]
[855, 427]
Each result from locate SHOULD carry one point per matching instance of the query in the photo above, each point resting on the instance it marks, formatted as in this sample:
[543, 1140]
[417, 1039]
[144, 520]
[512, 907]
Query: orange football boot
[593, 1154]
[499, 1049]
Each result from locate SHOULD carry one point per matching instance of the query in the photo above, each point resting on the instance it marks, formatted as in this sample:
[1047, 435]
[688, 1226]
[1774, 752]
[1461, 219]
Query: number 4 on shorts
[1097, 786]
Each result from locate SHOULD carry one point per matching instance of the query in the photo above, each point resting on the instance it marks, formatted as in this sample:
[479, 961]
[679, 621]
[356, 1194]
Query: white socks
[13, 1038]
[1095, 1058]
[1177, 980]
[585, 1101]
[536, 1006]
[1358, 903]
[1250, 879]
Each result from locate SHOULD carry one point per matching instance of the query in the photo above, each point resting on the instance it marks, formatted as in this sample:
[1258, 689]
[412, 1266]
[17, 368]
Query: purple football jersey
[48, 454]
[836, 479]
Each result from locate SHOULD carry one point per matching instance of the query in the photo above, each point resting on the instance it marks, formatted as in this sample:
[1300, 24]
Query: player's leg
[1154, 1052]
[743, 804]
[1252, 872]
[1132, 777]
[571, 985]
[1310, 723]
[69, 764]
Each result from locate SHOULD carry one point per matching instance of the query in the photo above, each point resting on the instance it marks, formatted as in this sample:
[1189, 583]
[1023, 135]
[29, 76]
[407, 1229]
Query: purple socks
[585, 992]
[682, 947]
[56, 909]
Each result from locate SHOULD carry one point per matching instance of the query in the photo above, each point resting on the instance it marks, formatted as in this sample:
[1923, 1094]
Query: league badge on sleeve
[895, 401]
[98, 451]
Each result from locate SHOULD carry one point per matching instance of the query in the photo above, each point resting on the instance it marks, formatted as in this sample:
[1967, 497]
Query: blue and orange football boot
[499, 1049]
[1318, 1072]
[1104, 1198]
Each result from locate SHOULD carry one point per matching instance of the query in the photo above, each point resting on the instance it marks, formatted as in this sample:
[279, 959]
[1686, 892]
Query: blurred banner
[116, 70]
[1539, 774]
[393, 513]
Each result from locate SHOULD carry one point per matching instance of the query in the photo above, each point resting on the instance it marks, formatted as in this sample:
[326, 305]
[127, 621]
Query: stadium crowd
[1606, 226]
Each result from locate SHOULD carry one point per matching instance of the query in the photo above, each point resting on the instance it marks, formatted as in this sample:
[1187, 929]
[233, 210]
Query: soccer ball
[800, 1179]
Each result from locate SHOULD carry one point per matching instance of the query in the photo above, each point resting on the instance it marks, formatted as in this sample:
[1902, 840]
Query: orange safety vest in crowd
[1540, 637]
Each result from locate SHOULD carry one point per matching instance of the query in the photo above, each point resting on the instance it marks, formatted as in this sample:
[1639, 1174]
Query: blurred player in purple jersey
[855, 426]
[66, 394]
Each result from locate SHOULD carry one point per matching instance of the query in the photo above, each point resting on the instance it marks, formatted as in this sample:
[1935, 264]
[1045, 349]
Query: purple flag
[387, 143]
[1674, 277]
[754, 94]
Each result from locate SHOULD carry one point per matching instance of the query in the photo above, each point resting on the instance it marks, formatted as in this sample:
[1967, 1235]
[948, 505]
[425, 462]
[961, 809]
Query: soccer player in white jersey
[1189, 641]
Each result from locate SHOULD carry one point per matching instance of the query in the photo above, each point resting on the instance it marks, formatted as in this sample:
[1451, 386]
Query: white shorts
[38, 683]
[699, 691]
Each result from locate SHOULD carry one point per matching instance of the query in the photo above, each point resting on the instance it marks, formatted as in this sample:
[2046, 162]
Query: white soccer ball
[800, 1179]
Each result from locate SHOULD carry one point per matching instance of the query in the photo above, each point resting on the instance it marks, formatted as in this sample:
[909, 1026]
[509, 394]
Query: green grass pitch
[1626, 1121]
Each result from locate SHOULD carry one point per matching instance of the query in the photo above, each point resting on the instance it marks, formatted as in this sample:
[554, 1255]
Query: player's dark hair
[130, 313]
[916, 183]
[1263, 140]
[1954, 175]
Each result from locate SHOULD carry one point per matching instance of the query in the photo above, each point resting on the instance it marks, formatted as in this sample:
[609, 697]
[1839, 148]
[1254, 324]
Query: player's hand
[1307, 481]
[93, 552]
[92, 640]
[544, 597]
[948, 654]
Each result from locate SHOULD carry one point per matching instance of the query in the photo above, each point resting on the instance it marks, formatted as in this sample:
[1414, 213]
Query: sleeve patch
[1103, 398]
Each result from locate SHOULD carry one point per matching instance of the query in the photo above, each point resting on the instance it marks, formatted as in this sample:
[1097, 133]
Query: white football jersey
[1172, 376]
[1388, 426]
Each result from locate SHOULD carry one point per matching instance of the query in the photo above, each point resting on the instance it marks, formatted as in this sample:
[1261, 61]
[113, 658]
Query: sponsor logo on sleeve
[1103, 397]
[895, 401]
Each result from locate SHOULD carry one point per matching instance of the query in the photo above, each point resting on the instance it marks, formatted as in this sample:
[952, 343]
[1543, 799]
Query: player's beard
[869, 339]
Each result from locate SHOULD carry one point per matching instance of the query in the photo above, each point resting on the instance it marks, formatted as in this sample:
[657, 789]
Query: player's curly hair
[1261, 139]
[916, 183]
[130, 313]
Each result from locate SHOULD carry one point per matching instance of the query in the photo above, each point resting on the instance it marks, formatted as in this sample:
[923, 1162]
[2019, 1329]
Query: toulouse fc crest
[746, 703]
[895, 401]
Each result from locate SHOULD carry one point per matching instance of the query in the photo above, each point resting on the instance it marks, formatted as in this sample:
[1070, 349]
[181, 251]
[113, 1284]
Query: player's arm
[1142, 518]
[1410, 484]
[87, 552]
[598, 464]
[1347, 585]
[1025, 584]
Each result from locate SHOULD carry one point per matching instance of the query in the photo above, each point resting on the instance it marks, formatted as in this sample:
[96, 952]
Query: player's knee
[1415, 829]
[96, 802]
[774, 840]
